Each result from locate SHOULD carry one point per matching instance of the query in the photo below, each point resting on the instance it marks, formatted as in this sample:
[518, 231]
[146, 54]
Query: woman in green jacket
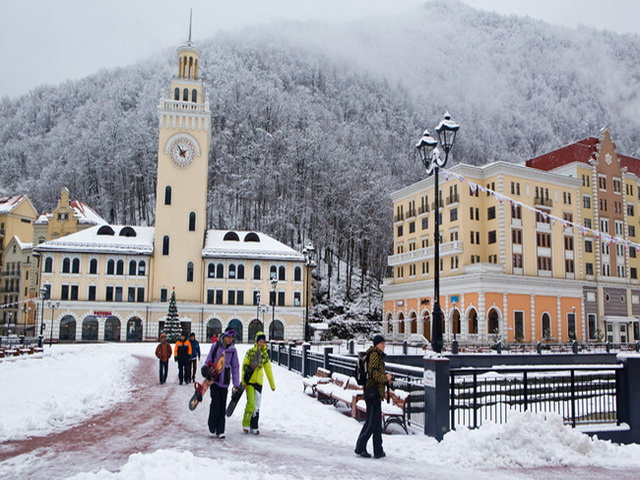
[255, 364]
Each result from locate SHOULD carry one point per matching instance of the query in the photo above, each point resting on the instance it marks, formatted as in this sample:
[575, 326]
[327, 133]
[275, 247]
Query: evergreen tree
[172, 327]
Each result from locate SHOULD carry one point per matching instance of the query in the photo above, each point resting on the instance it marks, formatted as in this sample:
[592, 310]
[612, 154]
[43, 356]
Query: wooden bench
[322, 376]
[393, 411]
[324, 391]
[348, 395]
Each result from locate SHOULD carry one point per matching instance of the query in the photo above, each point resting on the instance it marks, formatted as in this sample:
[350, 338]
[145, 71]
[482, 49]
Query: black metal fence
[581, 394]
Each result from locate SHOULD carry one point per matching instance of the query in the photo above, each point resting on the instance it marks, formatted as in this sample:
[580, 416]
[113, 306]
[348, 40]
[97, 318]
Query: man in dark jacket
[374, 388]
[182, 355]
[163, 352]
[195, 356]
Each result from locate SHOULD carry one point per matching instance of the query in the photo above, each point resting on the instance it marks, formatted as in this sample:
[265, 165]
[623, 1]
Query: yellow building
[530, 252]
[113, 282]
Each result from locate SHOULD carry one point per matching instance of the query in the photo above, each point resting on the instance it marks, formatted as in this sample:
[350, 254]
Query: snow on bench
[325, 390]
[322, 376]
[393, 411]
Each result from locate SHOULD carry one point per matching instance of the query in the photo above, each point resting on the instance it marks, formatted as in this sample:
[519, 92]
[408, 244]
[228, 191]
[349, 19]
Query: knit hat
[378, 339]
[260, 336]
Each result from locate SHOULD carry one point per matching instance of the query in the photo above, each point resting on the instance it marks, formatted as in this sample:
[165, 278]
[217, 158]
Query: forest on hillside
[314, 125]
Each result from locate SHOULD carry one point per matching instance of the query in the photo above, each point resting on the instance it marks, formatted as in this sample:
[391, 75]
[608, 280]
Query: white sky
[49, 41]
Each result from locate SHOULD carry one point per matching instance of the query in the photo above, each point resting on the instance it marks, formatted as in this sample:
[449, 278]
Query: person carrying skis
[182, 354]
[163, 352]
[255, 364]
[195, 356]
[220, 387]
[374, 387]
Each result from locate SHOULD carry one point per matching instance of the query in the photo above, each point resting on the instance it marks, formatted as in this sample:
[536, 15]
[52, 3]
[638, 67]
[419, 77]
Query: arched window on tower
[192, 222]
[185, 95]
[167, 195]
[190, 272]
[165, 245]
[194, 95]
[176, 94]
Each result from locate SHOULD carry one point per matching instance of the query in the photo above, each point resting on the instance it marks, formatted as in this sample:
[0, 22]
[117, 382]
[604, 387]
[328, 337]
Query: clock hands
[182, 152]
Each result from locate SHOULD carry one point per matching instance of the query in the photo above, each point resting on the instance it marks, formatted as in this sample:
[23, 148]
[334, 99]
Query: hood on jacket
[259, 336]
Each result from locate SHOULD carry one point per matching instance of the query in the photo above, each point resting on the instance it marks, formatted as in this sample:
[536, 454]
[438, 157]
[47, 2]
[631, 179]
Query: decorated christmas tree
[172, 327]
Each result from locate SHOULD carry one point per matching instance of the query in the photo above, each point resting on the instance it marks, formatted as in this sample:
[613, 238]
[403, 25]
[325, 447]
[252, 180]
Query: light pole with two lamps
[308, 252]
[433, 161]
[52, 306]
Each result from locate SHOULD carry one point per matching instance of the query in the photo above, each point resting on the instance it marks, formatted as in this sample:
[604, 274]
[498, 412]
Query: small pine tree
[172, 327]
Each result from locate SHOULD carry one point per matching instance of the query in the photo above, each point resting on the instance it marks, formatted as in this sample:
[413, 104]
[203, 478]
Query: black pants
[217, 409]
[183, 370]
[193, 368]
[164, 368]
[373, 424]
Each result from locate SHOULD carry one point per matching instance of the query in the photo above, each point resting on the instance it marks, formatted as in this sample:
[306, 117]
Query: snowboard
[213, 371]
[235, 398]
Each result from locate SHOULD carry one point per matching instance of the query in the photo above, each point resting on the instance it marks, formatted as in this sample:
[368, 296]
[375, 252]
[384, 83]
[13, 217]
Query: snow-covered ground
[98, 412]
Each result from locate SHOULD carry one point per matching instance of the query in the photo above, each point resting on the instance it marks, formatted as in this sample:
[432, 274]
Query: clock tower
[182, 181]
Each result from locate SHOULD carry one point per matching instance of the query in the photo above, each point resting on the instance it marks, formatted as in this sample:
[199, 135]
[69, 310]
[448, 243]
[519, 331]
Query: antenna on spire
[190, 17]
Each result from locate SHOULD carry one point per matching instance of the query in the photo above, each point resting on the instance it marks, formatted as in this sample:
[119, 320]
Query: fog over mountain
[315, 124]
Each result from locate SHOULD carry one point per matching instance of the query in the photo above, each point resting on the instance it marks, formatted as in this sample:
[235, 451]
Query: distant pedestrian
[374, 388]
[163, 352]
[182, 355]
[220, 387]
[256, 361]
[195, 356]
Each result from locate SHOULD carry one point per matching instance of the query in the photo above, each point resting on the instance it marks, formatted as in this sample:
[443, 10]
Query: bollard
[327, 351]
[405, 347]
[454, 347]
[352, 346]
[574, 347]
[637, 346]
[499, 348]
[539, 348]
[607, 347]
[305, 359]
[290, 354]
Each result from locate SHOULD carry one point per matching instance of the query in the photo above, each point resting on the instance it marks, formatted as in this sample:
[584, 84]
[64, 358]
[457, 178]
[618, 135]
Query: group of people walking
[223, 361]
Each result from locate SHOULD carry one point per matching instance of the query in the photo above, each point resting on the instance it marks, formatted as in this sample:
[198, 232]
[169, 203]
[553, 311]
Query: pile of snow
[61, 387]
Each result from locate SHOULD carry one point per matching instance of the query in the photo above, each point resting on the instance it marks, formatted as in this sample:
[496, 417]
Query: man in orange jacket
[163, 352]
[182, 355]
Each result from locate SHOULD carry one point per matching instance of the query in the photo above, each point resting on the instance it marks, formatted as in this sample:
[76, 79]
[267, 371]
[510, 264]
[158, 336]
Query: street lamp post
[52, 306]
[258, 296]
[274, 285]
[43, 294]
[308, 252]
[433, 161]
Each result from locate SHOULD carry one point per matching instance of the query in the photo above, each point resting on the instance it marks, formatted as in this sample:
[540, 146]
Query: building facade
[113, 282]
[541, 251]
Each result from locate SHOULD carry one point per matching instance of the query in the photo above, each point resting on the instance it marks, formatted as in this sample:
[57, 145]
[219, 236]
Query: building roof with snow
[83, 212]
[117, 239]
[9, 202]
[241, 244]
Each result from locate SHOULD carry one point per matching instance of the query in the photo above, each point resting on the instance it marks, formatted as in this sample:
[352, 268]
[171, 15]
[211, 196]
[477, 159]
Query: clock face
[182, 151]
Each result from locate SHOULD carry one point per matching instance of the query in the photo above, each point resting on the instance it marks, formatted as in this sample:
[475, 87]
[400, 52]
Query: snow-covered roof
[9, 202]
[83, 212]
[121, 239]
[240, 244]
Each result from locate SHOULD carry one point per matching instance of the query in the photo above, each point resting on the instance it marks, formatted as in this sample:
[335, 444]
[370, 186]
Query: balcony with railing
[423, 209]
[411, 213]
[398, 218]
[455, 198]
[543, 202]
[422, 254]
[440, 204]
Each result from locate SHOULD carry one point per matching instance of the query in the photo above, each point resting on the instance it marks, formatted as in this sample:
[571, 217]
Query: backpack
[362, 365]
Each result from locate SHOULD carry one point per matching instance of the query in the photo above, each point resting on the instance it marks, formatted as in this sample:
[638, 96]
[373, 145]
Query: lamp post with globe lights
[310, 264]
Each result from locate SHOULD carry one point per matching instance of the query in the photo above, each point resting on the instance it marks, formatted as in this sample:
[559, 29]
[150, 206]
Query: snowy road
[153, 435]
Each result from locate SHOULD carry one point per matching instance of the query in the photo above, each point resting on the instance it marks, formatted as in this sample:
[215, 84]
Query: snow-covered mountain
[314, 124]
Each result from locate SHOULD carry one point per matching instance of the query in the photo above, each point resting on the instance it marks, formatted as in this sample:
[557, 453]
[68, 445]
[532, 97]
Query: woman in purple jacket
[224, 346]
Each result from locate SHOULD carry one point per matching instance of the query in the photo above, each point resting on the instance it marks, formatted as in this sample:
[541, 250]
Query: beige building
[113, 282]
[542, 251]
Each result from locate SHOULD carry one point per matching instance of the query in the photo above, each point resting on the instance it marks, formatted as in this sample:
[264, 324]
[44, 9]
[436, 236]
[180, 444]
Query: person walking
[182, 355]
[195, 356]
[374, 388]
[220, 387]
[163, 352]
[256, 363]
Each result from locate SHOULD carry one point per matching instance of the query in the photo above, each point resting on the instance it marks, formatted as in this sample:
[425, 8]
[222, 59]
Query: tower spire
[190, 18]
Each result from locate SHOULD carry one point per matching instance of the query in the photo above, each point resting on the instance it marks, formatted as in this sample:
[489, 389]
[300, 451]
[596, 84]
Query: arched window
[220, 271]
[256, 272]
[66, 265]
[93, 266]
[75, 265]
[401, 323]
[190, 272]
[493, 325]
[232, 271]
[142, 268]
[473, 321]
[297, 274]
[48, 265]
[132, 267]
[120, 267]
[546, 326]
[426, 324]
[167, 195]
[281, 273]
[194, 95]
[185, 95]
[240, 272]
[111, 267]
[192, 222]
[413, 323]
[273, 272]
[176, 94]
[455, 322]
[165, 245]
[211, 270]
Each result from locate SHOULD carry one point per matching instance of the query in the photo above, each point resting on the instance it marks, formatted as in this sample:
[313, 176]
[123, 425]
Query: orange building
[540, 251]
